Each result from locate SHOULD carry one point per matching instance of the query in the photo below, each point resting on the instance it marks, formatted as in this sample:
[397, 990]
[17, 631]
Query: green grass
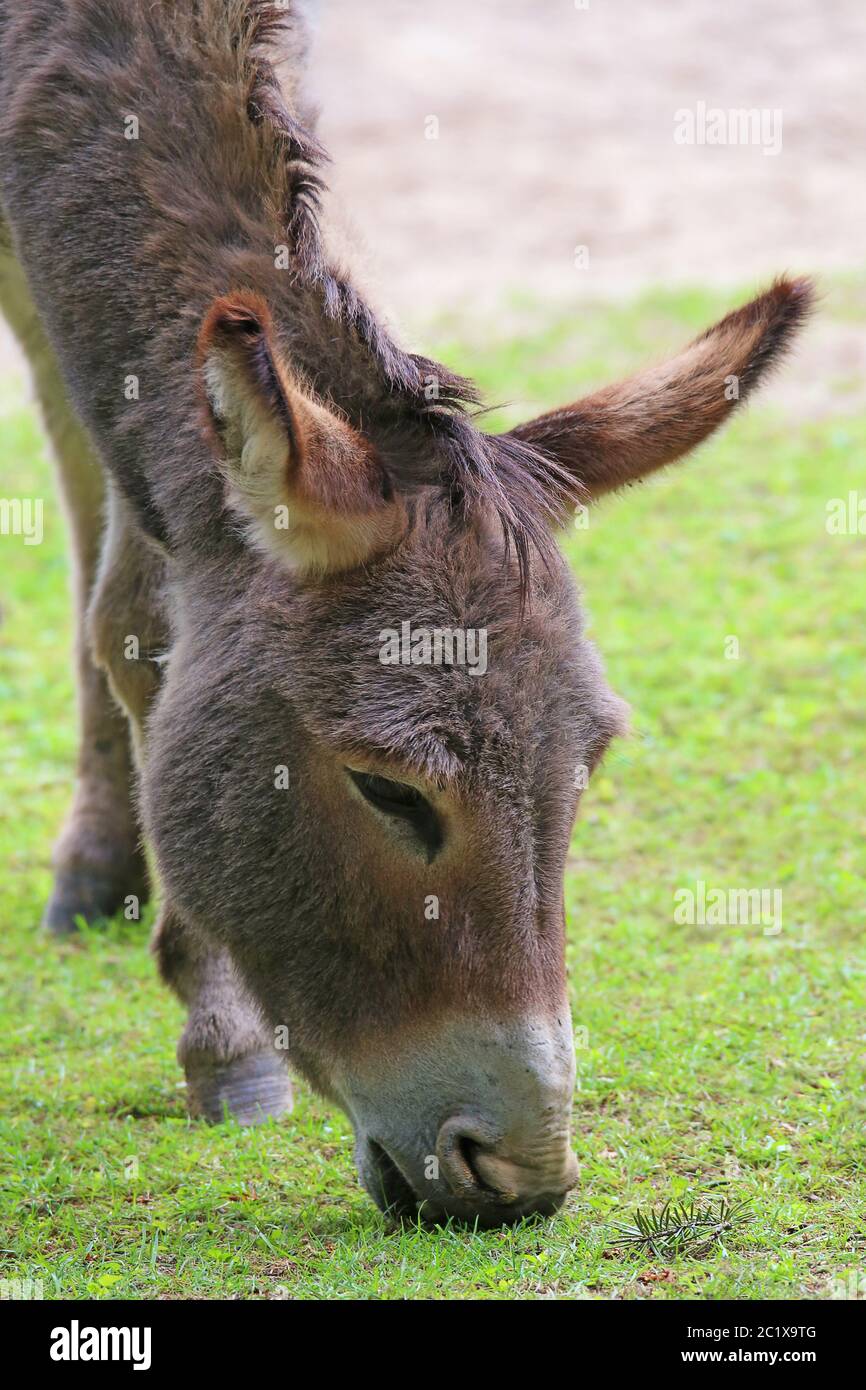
[718, 1062]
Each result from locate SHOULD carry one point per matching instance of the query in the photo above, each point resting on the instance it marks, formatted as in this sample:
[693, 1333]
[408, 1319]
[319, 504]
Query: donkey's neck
[151, 163]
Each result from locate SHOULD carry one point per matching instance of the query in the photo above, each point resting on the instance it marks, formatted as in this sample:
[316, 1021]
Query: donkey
[360, 863]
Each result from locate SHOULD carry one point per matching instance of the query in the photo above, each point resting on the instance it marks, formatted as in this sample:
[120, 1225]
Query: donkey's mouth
[397, 1199]
[391, 1192]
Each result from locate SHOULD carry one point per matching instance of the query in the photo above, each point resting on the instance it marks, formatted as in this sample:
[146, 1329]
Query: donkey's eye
[403, 803]
[386, 795]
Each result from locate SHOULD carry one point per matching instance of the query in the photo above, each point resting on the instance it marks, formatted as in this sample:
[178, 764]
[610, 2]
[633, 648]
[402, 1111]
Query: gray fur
[300, 909]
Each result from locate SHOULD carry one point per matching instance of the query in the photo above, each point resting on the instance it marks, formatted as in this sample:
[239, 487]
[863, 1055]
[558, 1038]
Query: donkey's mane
[420, 420]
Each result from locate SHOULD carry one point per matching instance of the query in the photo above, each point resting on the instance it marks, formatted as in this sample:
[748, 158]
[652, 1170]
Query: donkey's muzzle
[473, 1124]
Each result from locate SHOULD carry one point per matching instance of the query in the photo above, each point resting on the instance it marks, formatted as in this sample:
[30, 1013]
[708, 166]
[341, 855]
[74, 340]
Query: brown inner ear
[283, 448]
[239, 327]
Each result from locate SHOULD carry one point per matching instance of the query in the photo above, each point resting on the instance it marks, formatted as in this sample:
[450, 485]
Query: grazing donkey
[360, 859]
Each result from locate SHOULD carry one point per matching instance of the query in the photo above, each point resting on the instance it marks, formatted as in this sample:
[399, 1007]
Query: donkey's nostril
[458, 1145]
[489, 1174]
[479, 1169]
[475, 1169]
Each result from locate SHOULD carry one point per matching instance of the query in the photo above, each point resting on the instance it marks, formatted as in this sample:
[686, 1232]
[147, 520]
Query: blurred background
[507, 154]
[476, 146]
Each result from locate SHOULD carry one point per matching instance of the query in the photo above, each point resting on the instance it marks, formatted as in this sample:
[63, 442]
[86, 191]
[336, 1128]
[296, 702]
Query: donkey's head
[365, 770]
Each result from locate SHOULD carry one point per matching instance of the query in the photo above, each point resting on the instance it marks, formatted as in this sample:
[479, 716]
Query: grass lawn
[714, 1060]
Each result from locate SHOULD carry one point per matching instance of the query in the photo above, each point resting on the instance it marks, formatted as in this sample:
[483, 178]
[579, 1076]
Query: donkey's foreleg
[228, 1055]
[230, 1059]
[98, 864]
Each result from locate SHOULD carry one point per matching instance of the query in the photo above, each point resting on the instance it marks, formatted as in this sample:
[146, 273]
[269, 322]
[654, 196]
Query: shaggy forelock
[441, 721]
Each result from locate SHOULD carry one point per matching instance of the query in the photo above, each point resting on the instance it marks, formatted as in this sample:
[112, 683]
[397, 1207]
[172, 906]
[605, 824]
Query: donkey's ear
[624, 432]
[314, 490]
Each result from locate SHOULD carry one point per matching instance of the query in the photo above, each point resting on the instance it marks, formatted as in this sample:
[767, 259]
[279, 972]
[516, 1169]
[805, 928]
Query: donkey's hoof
[247, 1089]
[80, 893]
